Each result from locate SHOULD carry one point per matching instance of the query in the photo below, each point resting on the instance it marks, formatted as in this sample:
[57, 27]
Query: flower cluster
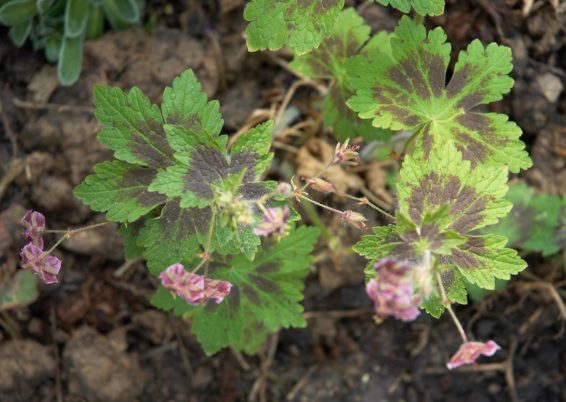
[274, 221]
[45, 266]
[392, 291]
[194, 289]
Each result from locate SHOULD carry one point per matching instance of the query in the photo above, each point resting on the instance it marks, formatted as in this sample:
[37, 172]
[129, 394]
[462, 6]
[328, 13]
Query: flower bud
[345, 152]
[284, 189]
[321, 185]
[355, 219]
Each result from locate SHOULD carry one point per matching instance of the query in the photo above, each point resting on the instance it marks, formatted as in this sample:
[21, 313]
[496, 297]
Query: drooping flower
[274, 221]
[216, 290]
[34, 223]
[345, 152]
[355, 219]
[194, 289]
[470, 351]
[392, 291]
[320, 185]
[46, 267]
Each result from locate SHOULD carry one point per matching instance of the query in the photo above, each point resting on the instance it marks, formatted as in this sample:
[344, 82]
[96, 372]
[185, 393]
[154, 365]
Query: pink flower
[274, 221]
[470, 351]
[194, 289]
[392, 291]
[46, 267]
[345, 152]
[34, 223]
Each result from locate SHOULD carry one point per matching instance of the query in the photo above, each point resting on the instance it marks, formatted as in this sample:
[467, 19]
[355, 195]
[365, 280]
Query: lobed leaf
[329, 61]
[407, 90]
[299, 24]
[121, 190]
[536, 222]
[265, 296]
[421, 7]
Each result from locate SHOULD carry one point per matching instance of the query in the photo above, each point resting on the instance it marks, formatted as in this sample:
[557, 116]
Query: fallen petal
[470, 351]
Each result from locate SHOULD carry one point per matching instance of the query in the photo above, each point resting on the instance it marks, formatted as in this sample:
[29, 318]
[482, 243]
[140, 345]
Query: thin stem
[448, 306]
[206, 256]
[336, 211]
[369, 204]
[73, 231]
[316, 221]
[419, 19]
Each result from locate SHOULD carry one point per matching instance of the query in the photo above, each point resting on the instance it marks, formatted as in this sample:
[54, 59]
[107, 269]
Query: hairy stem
[447, 304]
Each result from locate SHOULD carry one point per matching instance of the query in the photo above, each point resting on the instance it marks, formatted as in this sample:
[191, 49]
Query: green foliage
[329, 61]
[20, 290]
[537, 223]
[406, 90]
[178, 191]
[299, 24]
[422, 7]
[60, 27]
[265, 296]
[443, 201]
[174, 173]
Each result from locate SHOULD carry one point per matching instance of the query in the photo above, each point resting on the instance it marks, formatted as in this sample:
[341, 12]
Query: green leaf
[443, 202]
[534, 222]
[421, 7]
[265, 296]
[130, 233]
[121, 190]
[167, 301]
[456, 292]
[407, 90]
[17, 11]
[329, 61]
[121, 13]
[76, 17]
[19, 33]
[53, 47]
[43, 5]
[70, 60]
[95, 26]
[202, 166]
[301, 25]
[132, 127]
[472, 198]
[185, 104]
[173, 237]
[20, 290]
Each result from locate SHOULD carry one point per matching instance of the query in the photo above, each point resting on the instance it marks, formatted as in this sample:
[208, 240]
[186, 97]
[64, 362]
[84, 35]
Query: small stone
[95, 368]
[550, 86]
[25, 365]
